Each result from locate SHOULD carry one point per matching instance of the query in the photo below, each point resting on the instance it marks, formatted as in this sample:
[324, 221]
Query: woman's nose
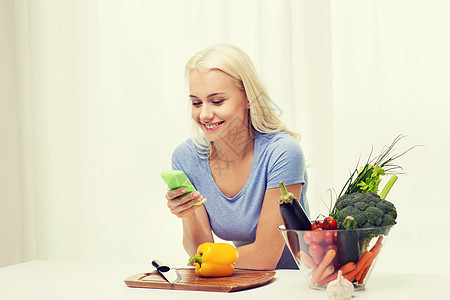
[206, 114]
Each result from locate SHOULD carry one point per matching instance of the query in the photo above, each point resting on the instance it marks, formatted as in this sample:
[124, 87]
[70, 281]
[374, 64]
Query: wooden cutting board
[240, 280]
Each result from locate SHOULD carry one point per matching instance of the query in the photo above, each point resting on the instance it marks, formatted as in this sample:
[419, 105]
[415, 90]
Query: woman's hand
[181, 205]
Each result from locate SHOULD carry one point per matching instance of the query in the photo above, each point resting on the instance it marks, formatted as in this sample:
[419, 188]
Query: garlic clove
[340, 289]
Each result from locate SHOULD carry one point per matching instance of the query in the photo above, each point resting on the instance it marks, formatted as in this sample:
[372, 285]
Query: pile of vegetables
[336, 244]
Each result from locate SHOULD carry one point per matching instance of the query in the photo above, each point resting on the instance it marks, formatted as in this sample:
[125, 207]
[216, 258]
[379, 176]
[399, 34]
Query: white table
[78, 280]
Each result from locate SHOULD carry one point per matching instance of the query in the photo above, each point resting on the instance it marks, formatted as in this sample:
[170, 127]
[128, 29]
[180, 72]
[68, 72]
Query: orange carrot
[327, 259]
[329, 278]
[364, 274]
[361, 271]
[380, 239]
[359, 265]
[307, 260]
[366, 264]
[327, 272]
[348, 267]
[360, 277]
[350, 276]
[376, 248]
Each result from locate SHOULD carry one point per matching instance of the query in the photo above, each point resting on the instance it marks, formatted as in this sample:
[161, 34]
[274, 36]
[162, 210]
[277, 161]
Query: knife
[171, 275]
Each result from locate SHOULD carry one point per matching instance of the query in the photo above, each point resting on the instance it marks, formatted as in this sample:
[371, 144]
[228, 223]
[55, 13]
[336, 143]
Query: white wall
[391, 71]
[93, 102]
[10, 150]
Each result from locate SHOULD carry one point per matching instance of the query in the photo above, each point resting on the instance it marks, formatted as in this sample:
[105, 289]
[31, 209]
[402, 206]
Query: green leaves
[368, 177]
[371, 180]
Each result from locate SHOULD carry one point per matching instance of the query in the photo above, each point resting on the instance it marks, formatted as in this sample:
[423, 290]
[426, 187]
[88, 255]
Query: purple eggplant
[293, 214]
[294, 218]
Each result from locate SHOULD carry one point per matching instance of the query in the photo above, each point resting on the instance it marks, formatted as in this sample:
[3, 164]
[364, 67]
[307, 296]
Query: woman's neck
[235, 148]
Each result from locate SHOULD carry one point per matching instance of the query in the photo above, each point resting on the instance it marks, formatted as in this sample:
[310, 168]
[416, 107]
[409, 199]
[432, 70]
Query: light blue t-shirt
[277, 157]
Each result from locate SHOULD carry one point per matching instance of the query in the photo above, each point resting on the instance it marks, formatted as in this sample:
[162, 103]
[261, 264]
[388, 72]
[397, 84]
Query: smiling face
[219, 107]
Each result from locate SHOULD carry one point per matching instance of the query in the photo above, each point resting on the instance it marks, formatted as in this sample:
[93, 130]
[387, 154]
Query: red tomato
[317, 260]
[316, 225]
[330, 223]
[331, 247]
[315, 250]
[329, 237]
[307, 237]
[317, 235]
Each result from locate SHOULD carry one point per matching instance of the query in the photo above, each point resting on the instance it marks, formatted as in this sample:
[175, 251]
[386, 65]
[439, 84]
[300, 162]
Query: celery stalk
[388, 186]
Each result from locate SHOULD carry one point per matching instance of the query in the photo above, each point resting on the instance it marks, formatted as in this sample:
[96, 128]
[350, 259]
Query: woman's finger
[172, 194]
[185, 200]
[186, 204]
[186, 210]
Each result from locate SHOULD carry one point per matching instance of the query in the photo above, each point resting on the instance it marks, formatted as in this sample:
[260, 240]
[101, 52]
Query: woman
[244, 153]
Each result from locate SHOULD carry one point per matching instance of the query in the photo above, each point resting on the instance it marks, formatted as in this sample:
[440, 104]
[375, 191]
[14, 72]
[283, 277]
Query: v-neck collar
[256, 155]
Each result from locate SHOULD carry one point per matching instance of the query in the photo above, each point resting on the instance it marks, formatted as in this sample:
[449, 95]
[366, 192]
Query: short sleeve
[184, 158]
[286, 163]
[176, 157]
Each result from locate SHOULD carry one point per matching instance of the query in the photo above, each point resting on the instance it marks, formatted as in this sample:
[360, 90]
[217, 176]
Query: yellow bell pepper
[214, 259]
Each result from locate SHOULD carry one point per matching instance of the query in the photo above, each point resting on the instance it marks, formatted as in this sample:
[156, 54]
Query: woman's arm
[196, 227]
[196, 230]
[265, 252]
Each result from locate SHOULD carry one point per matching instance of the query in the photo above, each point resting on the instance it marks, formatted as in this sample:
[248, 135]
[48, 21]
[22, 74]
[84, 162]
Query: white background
[93, 101]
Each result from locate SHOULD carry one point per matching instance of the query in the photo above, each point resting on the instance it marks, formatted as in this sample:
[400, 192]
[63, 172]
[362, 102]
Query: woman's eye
[196, 104]
[218, 101]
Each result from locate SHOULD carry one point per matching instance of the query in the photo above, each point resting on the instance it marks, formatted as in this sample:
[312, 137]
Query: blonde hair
[236, 63]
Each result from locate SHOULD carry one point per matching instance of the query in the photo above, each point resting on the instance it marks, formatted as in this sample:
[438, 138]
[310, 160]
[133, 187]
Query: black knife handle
[159, 266]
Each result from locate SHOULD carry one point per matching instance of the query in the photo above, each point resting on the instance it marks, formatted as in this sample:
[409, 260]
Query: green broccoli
[369, 211]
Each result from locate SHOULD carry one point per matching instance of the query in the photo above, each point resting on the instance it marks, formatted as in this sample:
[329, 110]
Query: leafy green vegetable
[370, 182]
[367, 178]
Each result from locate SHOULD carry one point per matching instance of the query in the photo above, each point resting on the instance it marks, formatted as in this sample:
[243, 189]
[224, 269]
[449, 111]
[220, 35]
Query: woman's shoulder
[187, 153]
[280, 146]
[279, 140]
[184, 148]
[193, 146]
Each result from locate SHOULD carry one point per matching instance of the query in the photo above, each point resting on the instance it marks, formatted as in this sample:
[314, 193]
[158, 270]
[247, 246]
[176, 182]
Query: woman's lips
[212, 126]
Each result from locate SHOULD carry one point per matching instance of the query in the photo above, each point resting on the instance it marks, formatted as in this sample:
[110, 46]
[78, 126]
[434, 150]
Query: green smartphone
[176, 179]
